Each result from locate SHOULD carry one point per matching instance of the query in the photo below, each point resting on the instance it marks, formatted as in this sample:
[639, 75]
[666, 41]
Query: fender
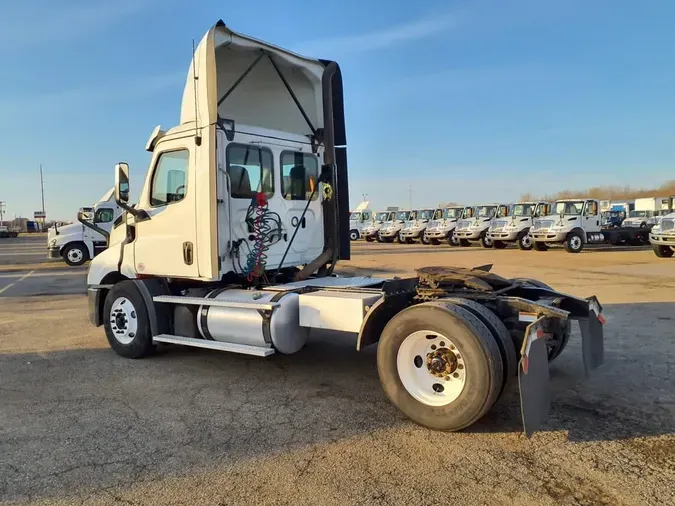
[159, 314]
[580, 231]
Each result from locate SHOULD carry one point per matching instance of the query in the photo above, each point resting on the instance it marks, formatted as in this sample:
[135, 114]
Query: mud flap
[533, 379]
[593, 336]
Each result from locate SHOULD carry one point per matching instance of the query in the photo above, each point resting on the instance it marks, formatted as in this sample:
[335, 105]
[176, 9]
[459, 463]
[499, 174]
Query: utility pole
[42, 190]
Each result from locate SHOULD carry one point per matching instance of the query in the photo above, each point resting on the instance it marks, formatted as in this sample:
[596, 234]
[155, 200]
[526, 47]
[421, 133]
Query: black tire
[424, 239]
[435, 242]
[539, 246]
[485, 241]
[643, 224]
[408, 240]
[380, 238]
[464, 243]
[75, 254]
[525, 241]
[452, 239]
[499, 244]
[400, 239]
[370, 238]
[662, 251]
[354, 235]
[479, 351]
[140, 344]
[574, 242]
[502, 336]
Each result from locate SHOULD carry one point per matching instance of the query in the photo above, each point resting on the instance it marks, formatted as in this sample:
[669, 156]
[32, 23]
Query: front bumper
[548, 236]
[53, 253]
[388, 233]
[437, 233]
[503, 235]
[662, 239]
[411, 234]
[369, 233]
[468, 234]
[94, 304]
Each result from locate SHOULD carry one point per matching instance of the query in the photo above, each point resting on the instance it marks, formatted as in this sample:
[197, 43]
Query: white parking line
[2, 290]
[46, 274]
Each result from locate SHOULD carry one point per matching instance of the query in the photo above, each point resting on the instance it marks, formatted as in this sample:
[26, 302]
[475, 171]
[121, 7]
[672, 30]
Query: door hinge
[187, 252]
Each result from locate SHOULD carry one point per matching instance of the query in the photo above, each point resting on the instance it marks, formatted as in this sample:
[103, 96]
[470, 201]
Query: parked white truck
[515, 227]
[645, 210]
[82, 241]
[414, 228]
[442, 228]
[371, 231]
[390, 230]
[221, 253]
[476, 228]
[577, 222]
[662, 233]
[359, 218]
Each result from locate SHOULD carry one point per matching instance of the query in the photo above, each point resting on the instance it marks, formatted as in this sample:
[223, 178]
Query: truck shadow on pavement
[89, 416]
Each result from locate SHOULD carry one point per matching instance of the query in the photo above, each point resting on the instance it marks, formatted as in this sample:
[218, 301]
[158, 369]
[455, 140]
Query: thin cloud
[385, 38]
[24, 25]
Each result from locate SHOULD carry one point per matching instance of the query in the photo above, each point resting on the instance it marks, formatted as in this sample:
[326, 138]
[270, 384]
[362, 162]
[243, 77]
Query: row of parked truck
[530, 225]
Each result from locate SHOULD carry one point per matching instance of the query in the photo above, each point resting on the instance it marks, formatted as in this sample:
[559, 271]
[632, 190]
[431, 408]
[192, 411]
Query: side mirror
[122, 183]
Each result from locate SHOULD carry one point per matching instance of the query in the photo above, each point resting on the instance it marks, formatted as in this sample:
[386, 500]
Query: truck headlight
[656, 228]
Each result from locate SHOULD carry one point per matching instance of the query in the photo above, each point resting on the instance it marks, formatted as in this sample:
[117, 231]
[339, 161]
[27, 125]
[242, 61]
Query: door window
[299, 176]
[169, 181]
[251, 170]
[104, 215]
[591, 208]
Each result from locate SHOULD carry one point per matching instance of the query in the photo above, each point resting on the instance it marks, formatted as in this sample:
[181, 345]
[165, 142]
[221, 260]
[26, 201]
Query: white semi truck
[371, 231]
[414, 228]
[78, 242]
[515, 227]
[222, 253]
[442, 228]
[577, 222]
[361, 217]
[476, 228]
[390, 230]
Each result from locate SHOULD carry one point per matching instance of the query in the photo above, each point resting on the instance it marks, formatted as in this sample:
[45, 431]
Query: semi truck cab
[442, 228]
[476, 228]
[515, 227]
[370, 232]
[414, 229]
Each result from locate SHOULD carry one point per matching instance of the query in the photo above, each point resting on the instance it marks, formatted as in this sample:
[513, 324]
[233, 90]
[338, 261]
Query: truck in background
[476, 228]
[392, 229]
[359, 218]
[617, 212]
[577, 222]
[82, 241]
[515, 227]
[371, 231]
[414, 228]
[6, 232]
[645, 209]
[442, 228]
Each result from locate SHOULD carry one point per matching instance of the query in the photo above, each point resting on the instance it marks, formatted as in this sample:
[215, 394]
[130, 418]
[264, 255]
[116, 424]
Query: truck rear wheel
[662, 251]
[574, 242]
[75, 254]
[499, 244]
[440, 365]
[539, 246]
[485, 241]
[126, 322]
[525, 241]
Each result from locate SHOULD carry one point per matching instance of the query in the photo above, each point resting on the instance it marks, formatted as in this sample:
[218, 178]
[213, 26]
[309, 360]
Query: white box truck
[221, 252]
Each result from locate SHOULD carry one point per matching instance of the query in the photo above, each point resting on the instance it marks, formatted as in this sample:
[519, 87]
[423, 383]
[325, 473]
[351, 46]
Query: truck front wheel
[453, 240]
[662, 251]
[440, 365]
[464, 243]
[485, 241]
[525, 241]
[75, 254]
[126, 322]
[539, 246]
[574, 242]
[354, 235]
[370, 238]
[499, 244]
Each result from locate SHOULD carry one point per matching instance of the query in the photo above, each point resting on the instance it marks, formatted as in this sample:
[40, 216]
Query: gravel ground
[80, 425]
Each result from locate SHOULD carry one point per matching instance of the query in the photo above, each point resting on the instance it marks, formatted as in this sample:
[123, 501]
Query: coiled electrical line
[266, 231]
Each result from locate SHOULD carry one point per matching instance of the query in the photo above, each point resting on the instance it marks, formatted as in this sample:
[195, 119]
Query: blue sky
[467, 101]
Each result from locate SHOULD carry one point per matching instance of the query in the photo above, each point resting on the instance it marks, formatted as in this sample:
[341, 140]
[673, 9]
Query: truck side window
[104, 215]
[299, 175]
[170, 178]
[251, 170]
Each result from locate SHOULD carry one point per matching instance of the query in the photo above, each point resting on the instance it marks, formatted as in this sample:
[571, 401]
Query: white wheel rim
[526, 241]
[575, 242]
[488, 241]
[431, 368]
[75, 255]
[354, 236]
[123, 320]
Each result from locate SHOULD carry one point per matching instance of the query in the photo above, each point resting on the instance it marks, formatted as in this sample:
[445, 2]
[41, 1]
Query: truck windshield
[402, 215]
[381, 216]
[425, 214]
[468, 212]
[355, 216]
[573, 208]
[522, 210]
[640, 214]
[485, 211]
[452, 212]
